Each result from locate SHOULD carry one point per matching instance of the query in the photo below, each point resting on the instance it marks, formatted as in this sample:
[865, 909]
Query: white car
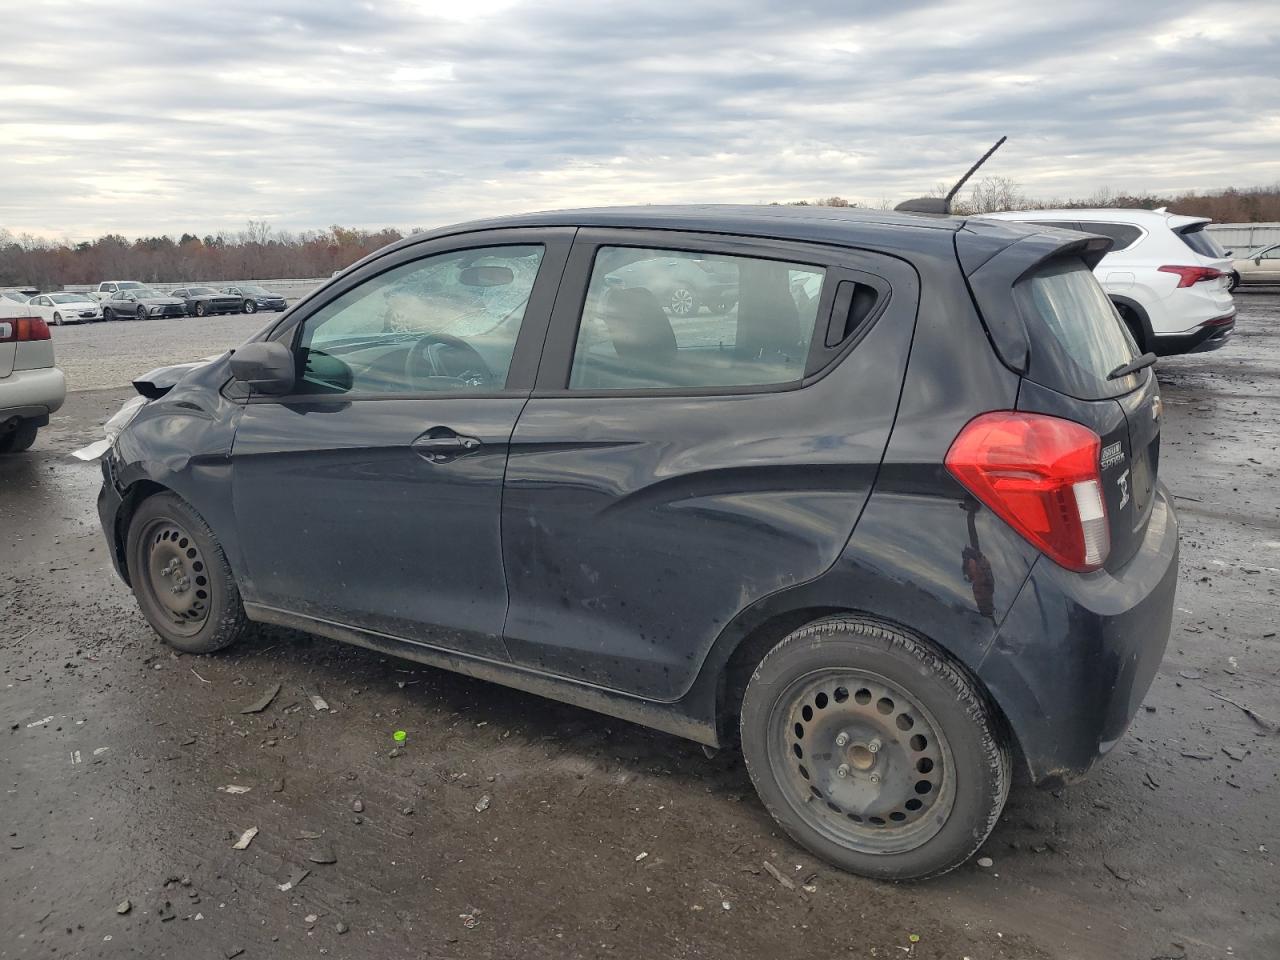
[1167, 276]
[13, 303]
[60, 308]
[31, 387]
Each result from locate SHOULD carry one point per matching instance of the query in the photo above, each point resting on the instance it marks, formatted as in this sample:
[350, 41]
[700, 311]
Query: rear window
[1202, 241]
[1124, 234]
[1077, 338]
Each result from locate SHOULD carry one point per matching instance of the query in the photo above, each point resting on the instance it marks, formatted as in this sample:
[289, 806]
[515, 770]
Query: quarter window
[443, 324]
[657, 319]
[1124, 234]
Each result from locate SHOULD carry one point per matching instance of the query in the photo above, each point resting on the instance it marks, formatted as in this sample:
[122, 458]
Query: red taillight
[22, 329]
[1041, 475]
[1189, 275]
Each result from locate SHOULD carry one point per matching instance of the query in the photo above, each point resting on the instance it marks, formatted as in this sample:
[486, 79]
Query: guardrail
[1240, 238]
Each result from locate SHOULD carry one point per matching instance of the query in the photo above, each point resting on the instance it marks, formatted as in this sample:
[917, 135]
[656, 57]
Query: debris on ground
[400, 736]
[232, 952]
[277, 785]
[295, 878]
[318, 701]
[322, 853]
[124, 906]
[1235, 753]
[1197, 755]
[263, 701]
[640, 856]
[341, 927]
[986, 862]
[482, 804]
[1118, 873]
[234, 789]
[778, 875]
[1271, 726]
[246, 838]
[470, 919]
[308, 835]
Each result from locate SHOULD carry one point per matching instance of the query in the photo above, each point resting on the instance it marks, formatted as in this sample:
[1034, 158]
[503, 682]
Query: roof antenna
[942, 205]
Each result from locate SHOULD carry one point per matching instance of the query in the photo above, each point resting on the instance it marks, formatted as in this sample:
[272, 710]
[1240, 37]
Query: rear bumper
[1076, 654]
[32, 394]
[1211, 335]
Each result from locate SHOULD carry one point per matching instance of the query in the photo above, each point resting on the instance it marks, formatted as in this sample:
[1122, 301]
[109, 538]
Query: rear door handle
[440, 445]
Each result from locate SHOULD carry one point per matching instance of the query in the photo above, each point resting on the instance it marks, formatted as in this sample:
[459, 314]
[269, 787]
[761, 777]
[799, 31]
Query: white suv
[31, 387]
[1167, 276]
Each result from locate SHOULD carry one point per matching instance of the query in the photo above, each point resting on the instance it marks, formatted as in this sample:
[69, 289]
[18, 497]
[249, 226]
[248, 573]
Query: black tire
[57, 319]
[15, 441]
[1235, 281]
[1135, 327]
[141, 312]
[843, 692]
[107, 315]
[201, 309]
[181, 577]
[250, 306]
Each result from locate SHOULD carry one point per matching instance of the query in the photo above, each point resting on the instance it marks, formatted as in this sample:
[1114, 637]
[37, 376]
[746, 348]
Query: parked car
[684, 285]
[60, 308]
[1168, 277]
[254, 298]
[31, 387]
[107, 287]
[885, 579]
[17, 295]
[1261, 266]
[141, 303]
[202, 301]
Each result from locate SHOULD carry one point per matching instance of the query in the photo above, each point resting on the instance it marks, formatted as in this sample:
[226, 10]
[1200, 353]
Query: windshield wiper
[1133, 366]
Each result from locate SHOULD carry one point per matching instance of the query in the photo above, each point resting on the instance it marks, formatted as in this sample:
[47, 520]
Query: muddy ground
[509, 826]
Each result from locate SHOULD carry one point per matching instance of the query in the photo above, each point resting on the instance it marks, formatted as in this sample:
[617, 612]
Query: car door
[42, 307]
[1267, 269]
[672, 469]
[370, 496]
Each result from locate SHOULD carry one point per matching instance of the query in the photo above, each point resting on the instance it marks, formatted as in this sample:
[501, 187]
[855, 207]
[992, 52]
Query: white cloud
[151, 117]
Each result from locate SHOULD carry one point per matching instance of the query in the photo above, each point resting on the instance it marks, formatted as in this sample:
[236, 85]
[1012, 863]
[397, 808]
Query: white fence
[289, 289]
[1240, 238]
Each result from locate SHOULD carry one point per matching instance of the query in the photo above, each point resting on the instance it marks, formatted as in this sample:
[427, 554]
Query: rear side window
[669, 319]
[1124, 234]
[1202, 242]
[1077, 338]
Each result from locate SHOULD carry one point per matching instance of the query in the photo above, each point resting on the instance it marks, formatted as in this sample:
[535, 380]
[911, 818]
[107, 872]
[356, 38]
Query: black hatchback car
[891, 537]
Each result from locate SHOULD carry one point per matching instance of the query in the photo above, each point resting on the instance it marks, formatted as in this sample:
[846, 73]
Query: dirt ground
[509, 826]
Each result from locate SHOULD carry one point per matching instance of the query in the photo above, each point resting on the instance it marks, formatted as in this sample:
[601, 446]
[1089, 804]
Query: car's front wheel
[141, 313]
[201, 309]
[874, 751]
[181, 577]
[57, 319]
[20, 438]
[107, 315]
[250, 306]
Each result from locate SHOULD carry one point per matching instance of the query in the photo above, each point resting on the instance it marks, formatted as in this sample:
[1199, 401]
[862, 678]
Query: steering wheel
[435, 355]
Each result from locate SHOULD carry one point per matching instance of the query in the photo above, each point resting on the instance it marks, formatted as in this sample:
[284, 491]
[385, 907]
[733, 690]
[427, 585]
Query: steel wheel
[865, 766]
[175, 575]
[683, 302]
[250, 306]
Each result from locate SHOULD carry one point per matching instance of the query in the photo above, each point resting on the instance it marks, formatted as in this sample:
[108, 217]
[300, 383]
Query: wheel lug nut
[874, 746]
[875, 778]
[842, 740]
[842, 770]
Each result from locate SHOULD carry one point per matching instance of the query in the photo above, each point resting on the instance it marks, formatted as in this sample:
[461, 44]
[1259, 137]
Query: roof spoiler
[941, 206]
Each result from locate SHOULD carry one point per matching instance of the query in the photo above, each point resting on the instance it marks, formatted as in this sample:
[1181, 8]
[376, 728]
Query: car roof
[825, 224]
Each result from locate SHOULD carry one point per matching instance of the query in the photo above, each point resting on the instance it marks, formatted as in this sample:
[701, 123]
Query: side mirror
[266, 366]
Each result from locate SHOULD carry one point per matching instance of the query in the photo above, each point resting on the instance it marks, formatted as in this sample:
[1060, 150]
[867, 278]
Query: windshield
[201, 291]
[129, 285]
[9, 295]
[141, 291]
[1078, 332]
[66, 298]
[254, 291]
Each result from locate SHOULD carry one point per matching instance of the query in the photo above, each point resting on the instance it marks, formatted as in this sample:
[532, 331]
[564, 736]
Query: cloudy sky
[143, 117]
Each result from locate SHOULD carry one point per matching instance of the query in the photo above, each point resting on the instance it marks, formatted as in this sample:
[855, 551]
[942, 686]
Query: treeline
[255, 253]
[992, 194]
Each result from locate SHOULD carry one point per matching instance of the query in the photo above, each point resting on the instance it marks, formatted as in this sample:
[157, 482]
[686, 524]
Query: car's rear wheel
[683, 302]
[1234, 281]
[1134, 326]
[19, 439]
[250, 306]
[874, 751]
[141, 313]
[181, 577]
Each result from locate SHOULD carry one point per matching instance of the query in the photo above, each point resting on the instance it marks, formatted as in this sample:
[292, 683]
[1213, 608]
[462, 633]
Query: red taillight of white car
[1192, 275]
[1042, 476]
[22, 329]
